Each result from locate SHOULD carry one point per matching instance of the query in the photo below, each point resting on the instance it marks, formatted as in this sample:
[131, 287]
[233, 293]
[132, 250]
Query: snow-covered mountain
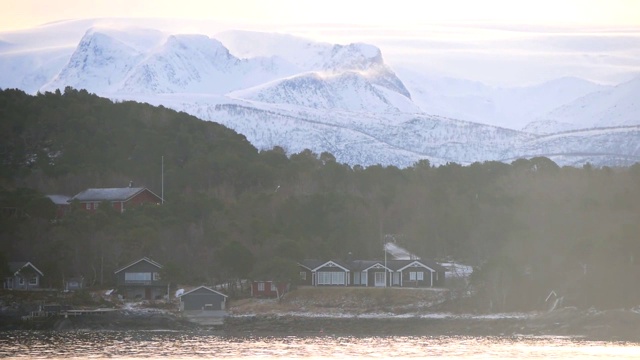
[507, 107]
[346, 91]
[611, 107]
[315, 56]
[280, 90]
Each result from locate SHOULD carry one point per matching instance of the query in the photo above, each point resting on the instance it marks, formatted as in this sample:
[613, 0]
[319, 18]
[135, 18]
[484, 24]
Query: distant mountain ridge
[280, 90]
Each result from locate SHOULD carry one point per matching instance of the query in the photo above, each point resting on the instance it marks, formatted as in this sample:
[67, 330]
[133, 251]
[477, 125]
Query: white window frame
[21, 281]
[420, 275]
[303, 275]
[33, 281]
[156, 276]
[331, 278]
[273, 286]
[96, 205]
[87, 206]
[261, 286]
[412, 275]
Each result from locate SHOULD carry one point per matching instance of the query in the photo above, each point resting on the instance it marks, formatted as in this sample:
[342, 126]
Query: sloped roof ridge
[137, 261]
[202, 287]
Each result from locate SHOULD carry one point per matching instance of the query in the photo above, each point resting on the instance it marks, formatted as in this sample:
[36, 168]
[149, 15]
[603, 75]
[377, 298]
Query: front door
[380, 278]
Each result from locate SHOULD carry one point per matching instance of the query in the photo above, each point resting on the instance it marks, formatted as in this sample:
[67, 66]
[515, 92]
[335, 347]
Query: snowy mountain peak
[609, 107]
[211, 48]
[345, 91]
[99, 62]
[353, 57]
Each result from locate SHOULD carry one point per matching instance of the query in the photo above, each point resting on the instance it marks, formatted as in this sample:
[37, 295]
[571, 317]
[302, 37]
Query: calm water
[193, 345]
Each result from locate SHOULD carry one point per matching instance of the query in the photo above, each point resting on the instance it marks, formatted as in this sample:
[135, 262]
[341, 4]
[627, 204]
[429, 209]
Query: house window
[420, 275]
[363, 279]
[330, 278]
[156, 276]
[139, 276]
[273, 287]
[33, 281]
[260, 286]
[303, 275]
[95, 205]
[21, 281]
[337, 278]
[87, 206]
[396, 278]
[414, 275]
[356, 278]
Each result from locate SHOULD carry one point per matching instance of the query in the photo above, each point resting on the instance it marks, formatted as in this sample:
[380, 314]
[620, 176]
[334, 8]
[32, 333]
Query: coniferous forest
[232, 211]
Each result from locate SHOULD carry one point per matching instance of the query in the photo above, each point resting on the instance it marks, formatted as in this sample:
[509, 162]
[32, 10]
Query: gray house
[202, 298]
[141, 280]
[24, 276]
[376, 273]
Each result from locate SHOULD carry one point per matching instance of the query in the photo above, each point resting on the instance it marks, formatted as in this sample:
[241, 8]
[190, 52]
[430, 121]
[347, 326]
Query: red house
[62, 204]
[120, 198]
[268, 289]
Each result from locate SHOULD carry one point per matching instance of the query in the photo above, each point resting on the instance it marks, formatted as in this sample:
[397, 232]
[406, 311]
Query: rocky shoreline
[606, 326]
[614, 325]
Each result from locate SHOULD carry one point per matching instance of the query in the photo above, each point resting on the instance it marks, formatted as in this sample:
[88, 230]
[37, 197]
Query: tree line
[233, 211]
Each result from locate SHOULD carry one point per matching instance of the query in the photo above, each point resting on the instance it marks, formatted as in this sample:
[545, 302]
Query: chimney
[130, 183]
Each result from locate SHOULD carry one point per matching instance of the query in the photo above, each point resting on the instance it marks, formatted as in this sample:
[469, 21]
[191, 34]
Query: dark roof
[137, 261]
[16, 266]
[59, 199]
[314, 264]
[110, 194]
[202, 287]
[311, 263]
[360, 265]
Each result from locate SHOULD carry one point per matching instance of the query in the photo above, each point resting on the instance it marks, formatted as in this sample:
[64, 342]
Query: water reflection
[197, 345]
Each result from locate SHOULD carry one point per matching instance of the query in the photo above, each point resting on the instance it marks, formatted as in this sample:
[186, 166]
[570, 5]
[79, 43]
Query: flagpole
[162, 179]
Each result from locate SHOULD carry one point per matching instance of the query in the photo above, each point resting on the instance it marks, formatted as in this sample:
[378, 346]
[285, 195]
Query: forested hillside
[232, 211]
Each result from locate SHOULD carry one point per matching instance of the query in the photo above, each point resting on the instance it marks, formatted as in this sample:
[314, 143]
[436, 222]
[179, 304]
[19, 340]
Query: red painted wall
[268, 293]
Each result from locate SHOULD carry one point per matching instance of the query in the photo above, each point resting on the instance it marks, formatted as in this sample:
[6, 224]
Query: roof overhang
[416, 263]
[28, 264]
[378, 265]
[202, 287]
[331, 263]
[135, 262]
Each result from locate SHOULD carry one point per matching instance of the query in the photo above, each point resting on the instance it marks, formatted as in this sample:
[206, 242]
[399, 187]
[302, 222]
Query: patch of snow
[457, 270]
[387, 315]
[398, 252]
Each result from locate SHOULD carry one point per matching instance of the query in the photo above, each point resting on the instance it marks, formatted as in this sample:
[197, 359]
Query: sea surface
[203, 345]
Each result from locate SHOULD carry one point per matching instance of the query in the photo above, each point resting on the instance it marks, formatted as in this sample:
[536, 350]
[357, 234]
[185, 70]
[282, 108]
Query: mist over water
[197, 345]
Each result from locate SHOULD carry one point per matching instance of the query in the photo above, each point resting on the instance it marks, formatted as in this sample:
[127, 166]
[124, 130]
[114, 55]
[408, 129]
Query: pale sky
[18, 14]
[499, 42]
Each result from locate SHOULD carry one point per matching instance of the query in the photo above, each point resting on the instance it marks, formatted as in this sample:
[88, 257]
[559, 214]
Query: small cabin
[203, 298]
